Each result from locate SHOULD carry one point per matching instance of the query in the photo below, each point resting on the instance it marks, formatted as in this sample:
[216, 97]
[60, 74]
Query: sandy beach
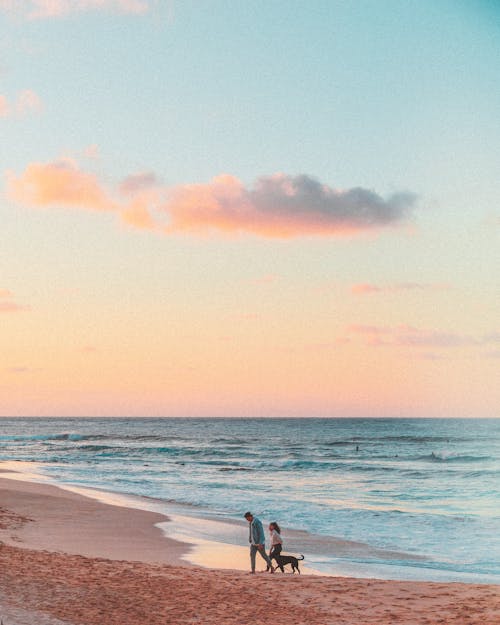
[70, 560]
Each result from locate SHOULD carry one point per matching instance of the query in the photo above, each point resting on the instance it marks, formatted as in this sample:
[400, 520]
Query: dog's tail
[301, 557]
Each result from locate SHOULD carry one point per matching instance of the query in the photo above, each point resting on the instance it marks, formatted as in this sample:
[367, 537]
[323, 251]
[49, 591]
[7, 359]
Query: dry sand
[69, 560]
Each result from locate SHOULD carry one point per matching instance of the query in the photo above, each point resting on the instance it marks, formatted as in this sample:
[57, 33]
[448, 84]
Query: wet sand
[54, 519]
[69, 560]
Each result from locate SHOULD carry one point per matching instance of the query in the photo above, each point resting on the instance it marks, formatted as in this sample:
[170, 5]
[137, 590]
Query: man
[257, 540]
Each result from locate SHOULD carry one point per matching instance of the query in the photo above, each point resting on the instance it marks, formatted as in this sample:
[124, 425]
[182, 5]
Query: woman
[276, 543]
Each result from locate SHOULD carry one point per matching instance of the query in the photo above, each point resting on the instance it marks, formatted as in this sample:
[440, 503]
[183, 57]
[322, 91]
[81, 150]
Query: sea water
[405, 498]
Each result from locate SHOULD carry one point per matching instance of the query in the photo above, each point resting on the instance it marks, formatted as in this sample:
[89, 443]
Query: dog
[284, 560]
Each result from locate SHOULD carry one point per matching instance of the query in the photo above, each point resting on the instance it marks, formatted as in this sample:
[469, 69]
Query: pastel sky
[220, 208]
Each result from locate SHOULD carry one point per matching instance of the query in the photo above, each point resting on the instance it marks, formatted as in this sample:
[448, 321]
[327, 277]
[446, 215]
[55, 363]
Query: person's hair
[275, 526]
[247, 514]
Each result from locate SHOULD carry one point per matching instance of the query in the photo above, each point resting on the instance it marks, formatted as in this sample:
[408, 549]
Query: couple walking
[257, 541]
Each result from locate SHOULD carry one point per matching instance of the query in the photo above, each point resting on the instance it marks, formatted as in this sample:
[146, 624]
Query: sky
[220, 208]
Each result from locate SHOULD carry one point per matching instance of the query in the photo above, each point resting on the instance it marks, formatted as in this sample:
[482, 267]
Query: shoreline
[57, 520]
[205, 548]
[70, 560]
[215, 542]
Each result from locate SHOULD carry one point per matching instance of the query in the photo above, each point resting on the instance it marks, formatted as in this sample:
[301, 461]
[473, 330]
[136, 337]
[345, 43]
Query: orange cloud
[278, 206]
[4, 106]
[7, 305]
[138, 216]
[39, 9]
[369, 289]
[364, 289]
[60, 183]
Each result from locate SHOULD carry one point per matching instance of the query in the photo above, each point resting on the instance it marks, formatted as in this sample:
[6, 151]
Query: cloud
[4, 106]
[433, 338]
[137, 215]
[430, 356]
[88, 349]
[372, 335]
[277, 206]
[269, 278]
[282, 206]
[24, 103]
[7, 303]
[370, 289]
[410, 336]
[492, 337]
[367, 329]
[135, 183]
[11, 307]
[41, 9]
[91, 152]
[27, 102]
[59, 183]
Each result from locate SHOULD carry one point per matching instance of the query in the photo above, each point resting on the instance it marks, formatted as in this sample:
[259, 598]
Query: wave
[73, 436]
[420, 439]
[42, 437]
[91, 448]
[230, 441]
[449, 457]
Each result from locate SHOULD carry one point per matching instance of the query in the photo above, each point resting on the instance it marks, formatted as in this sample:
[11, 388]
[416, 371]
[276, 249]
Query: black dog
[284, 560]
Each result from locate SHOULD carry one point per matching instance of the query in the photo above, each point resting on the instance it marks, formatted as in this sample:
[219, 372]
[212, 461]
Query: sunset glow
[237, 211]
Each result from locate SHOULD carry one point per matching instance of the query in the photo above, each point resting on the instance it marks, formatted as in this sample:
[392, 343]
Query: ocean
[387, 498]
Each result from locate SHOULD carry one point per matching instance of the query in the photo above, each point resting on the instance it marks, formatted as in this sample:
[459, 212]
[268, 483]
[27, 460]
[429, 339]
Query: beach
[413, 500]
[67, 559]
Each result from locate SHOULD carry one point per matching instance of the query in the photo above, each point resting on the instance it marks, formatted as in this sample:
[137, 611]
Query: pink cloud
[4, 106]
[40, 9]
[8, 305]
[282, 206]
[11, 307]
[277, 206]
[59, 183]
[433, 338]
[89, 349]
[370, 289]
[63, 184]
[367, 329]
[91, 152]
[266, 279]
[492, 337]
[135, 183]
[410, 336]
[364, 289]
